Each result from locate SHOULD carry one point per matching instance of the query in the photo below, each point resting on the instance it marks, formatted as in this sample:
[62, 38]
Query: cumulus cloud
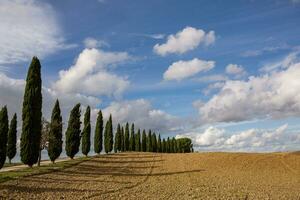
[140, 112]
[275, 95]
[234, 69]
[14, 91]
[216, 139]
[91, 74]
[28, 28]
[183, 69]
[185, 40]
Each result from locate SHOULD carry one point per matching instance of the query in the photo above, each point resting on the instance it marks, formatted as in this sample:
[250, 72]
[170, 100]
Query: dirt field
[167, 176]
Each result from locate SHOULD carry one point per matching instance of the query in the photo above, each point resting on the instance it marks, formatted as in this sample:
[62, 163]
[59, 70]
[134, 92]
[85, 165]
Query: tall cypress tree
[55, 133]
[73, 132]
[32, 115]
[12, 139]
[122, 139]
[3, 135]
[117, 141]
[159, 144]
[168, 145]
[108, 136]
[86, 132]
[164, 148]
[132, 138]
[98, 138]
[138, 141]
[154, 143]
[149, 142]
[144, 141]
[119, 137]
[126, 142]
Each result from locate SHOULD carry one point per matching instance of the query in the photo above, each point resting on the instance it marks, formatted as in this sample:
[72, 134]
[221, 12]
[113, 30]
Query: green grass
[10, 175]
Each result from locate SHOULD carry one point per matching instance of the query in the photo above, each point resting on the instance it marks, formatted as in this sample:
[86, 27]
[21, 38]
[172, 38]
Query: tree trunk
[9, 161]
[40, 155]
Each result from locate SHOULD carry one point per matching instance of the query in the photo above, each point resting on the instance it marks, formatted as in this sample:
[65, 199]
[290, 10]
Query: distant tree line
[38, 134]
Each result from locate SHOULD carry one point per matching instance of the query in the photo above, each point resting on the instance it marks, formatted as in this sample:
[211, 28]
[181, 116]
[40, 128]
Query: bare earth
[167, 176]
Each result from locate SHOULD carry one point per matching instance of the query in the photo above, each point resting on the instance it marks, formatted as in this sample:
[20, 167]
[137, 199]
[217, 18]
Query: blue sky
[226, 79]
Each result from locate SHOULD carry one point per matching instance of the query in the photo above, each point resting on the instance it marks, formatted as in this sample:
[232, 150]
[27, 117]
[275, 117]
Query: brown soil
[167, 176]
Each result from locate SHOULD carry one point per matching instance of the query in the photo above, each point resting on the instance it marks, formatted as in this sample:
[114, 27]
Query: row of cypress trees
[142, 142]
[125, 139]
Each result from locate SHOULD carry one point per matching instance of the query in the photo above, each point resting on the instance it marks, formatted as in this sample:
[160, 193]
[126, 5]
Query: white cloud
[94, 43]
[14, 91]
[269, 96]
[237, 70]
[283, 63]
[215, 139]
[140, 112]
[213, 86]
[258, 52]
[187, 39]
[28, 28]
[183, 69]
[234, 69]
[90, 74]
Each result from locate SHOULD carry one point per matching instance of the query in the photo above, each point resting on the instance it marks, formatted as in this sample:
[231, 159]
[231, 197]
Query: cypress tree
[159, 144]
[126, 142]
[173, 145]
[168, 145]
[117, 143]
[55, 133]
[12, 139]
[138, 141]
[122, 139]
[108, 136]
[144, 141]
[3, 135]
[164, 148]
[86, 132]
[73, 132]
[149, 142]
[132, 139]
[98, 138]
[154, 143]
[32, 115]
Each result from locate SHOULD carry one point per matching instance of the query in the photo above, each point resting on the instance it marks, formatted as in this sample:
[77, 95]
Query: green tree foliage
[117, 143]
[44, 142]
[86, 132]
[55, 133]
[108, 136]
[12, 139]
[164, 146]
[132, 138]
[173, 145]
[73, 132]
[98, 138]
[184, 145]
[32, 114]
[154, 143]
[3, 135]
[138, 141]
[126, 142]
[168, 146]
[144, 141]
[149, 142]
[159, 147]
[122, 139]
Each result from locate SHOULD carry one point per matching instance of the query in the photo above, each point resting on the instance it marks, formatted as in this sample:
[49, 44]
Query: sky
[224, 73]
